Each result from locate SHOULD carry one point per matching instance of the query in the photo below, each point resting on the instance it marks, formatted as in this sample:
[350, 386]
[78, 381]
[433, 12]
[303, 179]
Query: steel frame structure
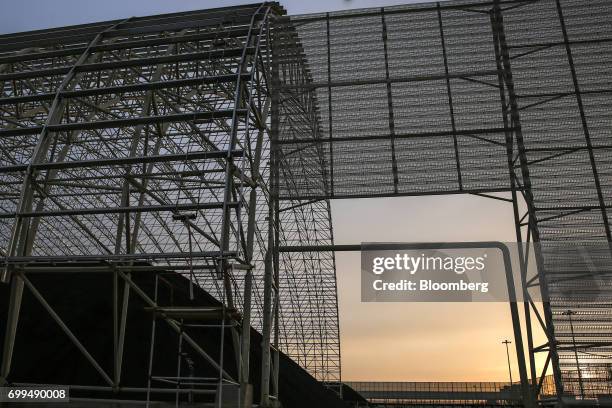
[211, 142]
[145, 144]
[481, 97]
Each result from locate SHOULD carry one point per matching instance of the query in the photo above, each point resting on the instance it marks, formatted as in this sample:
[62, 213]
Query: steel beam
[112, 123]
[123, 161]
[451, 108]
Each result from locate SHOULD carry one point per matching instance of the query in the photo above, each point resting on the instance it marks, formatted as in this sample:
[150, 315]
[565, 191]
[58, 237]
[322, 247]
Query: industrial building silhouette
[177, 170]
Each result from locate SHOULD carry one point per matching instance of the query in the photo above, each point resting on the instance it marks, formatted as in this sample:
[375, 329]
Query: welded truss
[147, 142]
[302, 221]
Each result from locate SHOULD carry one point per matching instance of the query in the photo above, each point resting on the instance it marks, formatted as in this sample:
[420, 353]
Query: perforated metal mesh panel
[427, 99]
[382, 88]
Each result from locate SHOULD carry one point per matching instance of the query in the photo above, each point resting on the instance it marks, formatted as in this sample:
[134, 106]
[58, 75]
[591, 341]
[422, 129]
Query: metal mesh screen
[423, 99]
[407, 95]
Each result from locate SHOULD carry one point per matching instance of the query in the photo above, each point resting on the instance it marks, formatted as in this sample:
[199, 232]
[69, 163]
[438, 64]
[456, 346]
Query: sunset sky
[380, 342]
[421, 341]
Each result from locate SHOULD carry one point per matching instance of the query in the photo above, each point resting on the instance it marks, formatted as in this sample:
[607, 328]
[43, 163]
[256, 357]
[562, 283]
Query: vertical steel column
[245, 346]
[517, 225]
[257, 182]
[450, 97]
[506, 80]
[523, 260]
[389, 101]
[527, 396]
[248, 279]
[269, 266]
[152, 344]
[274, 193]
[267, 306]
[223, 263]
[517, 219]
[276, 305]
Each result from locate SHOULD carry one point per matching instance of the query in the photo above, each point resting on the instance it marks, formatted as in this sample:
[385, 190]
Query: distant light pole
[506, 342]
[569, 313]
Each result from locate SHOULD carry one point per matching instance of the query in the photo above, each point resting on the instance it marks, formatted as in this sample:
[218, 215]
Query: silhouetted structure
[210, 142]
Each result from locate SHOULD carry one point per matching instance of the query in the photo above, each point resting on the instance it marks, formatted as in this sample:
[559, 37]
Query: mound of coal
[84, 301]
